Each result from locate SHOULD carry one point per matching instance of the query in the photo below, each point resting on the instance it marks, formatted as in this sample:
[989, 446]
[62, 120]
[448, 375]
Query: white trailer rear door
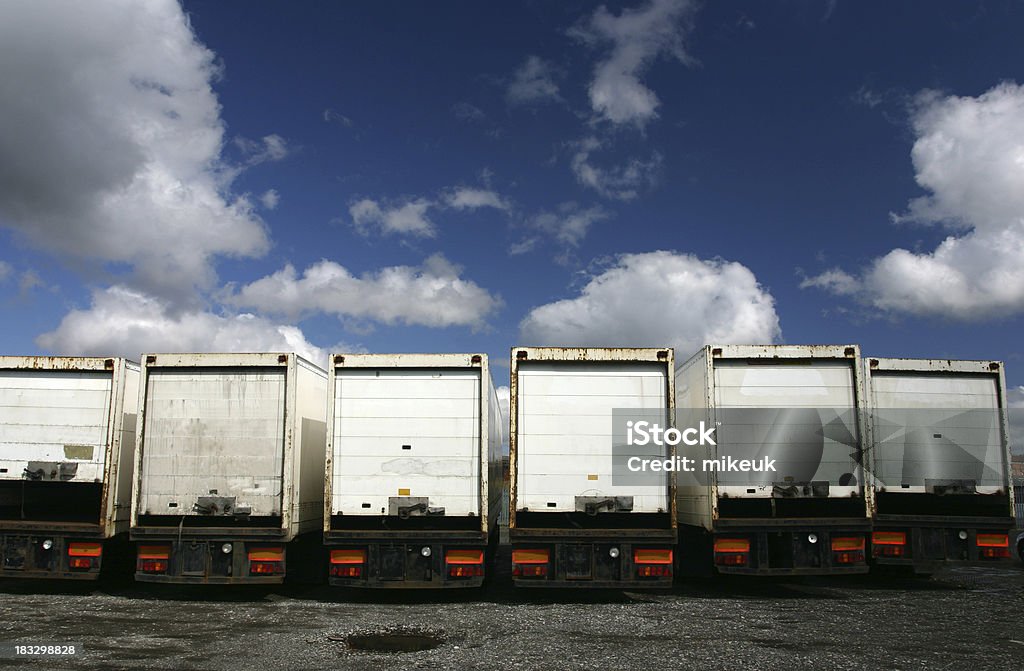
[213, 432]
[402, 432]
[52, 417]
[564, 431]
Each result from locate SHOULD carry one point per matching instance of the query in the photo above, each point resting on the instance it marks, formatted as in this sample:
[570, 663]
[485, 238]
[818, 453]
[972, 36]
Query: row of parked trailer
[386, 469]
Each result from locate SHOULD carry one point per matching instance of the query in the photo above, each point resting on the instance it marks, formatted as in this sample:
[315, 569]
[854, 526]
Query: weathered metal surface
[950, 393]
[573, 391]
[70, 420]
[809, 376]
[213, 426]
[416, 426]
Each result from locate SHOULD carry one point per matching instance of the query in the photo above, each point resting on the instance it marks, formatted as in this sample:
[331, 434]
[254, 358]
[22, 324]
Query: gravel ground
[962, 617]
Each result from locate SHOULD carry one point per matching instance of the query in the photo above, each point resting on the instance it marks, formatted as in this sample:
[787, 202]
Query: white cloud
[836, 280]
[532, 83]
[270, 148]
[127, 322]
[270, 199]
[523, 246]
[111, 141]
[656, 299]
[503, 394]
[468, 198]
[1016, 398]
[337, 117]
[637, 38]
[433, 294]
[30, 280]
[6, 270]
[969, 156]
[622, 182]
[464, 111]
[406, 218]
[569, 224]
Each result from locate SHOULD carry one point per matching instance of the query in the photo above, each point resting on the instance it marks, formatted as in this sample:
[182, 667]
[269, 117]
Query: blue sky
[396, 176]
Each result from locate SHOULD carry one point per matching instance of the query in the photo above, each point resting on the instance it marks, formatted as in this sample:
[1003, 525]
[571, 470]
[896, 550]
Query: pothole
[394, 641]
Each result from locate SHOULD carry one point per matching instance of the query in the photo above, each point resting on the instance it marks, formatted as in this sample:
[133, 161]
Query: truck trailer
[67, 444]
[790, 413]
[229, 470]
[414, 470]
[941, 462]
[574, 521]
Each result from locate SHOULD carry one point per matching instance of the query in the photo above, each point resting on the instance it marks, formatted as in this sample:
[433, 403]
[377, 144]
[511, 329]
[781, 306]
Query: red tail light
[653, 562]
[82, 555]
[465, 571]
[266, 568]
[993, 546]
[732, 559]
[153, 558]
[347, 563]
[530, 563]
[348, 556]
[888, 544]
[732, 551]
[464, 563]
[529, 570]
[266, 560]
[848, 550]
[79, 549]
[654, 570]
[346, 570]
[152, 566]
[464, 557]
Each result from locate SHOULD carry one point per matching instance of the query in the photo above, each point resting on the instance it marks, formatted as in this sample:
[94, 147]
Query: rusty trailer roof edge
[897, 364]
[782, 351]
[651, 354]
[408, 360]
[218, 359]
[48, 362]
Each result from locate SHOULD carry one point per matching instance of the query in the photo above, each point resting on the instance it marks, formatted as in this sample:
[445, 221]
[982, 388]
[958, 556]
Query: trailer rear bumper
[26, 554]
[795, 547]
[215, 561]
[396, 560]
[925, 545]
[589, 558]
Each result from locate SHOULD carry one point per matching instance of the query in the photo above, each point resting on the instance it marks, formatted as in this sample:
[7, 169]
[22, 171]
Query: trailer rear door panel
[213, 432]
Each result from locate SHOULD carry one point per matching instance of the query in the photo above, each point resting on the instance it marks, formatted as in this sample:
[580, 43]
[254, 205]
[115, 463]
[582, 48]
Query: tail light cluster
[464, 563]
[153, 558]
[348, 563]
[266, 560]
[888, 544]
[848, 550]
[83, 556]
[732, 552]
[993, 546]
[530, 563]
[653, 562]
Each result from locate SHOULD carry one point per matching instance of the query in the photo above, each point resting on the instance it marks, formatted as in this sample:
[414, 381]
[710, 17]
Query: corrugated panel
[564, 431]
[52, 416]
[406, 432]
[825, 384]
[213, 432]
